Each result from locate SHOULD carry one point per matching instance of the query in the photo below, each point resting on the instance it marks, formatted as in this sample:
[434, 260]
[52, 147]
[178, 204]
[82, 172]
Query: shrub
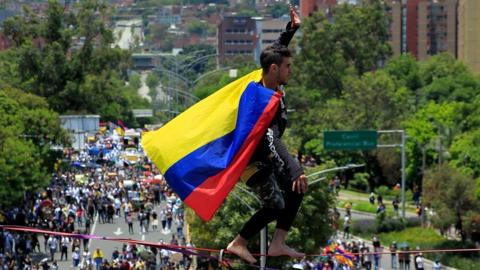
[412, 222]
[390, 194]
[360, 181]
[462, 260]
[382, 190]
[363, 227]
[391, 225]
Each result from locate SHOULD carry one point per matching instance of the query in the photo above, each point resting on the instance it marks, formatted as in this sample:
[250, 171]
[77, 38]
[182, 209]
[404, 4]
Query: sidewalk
[386, 258]
[350, 195]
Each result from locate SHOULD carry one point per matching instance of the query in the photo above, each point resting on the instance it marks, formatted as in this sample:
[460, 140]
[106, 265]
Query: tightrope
[188, 250]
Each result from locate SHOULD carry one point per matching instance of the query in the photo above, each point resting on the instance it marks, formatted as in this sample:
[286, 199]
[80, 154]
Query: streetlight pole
[402, 146]
[402, 149]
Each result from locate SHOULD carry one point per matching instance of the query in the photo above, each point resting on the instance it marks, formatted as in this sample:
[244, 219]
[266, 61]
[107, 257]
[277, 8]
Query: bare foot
[282, 249]
[241, 251]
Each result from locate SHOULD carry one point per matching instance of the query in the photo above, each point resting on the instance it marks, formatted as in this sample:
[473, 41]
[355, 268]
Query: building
[468, 35]
[270, 30]
[431, 27]
[79, 126]
[237, 36]
[308, 7]
[420, 27]
[397, 33]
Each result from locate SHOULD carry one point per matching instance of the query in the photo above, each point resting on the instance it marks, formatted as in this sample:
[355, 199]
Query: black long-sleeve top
[271, 149]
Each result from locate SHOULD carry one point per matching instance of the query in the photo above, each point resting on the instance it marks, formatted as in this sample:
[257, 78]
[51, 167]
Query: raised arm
[292, 26]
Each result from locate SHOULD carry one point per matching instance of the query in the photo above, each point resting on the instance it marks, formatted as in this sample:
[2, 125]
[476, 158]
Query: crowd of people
[357, 255]
[111, 180]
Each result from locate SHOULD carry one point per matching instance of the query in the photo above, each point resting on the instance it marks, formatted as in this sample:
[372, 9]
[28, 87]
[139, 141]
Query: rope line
[194, 250]
[176, 248]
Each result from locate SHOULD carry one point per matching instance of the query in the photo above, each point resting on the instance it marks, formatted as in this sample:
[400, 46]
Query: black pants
[280, 203]
[64, 252]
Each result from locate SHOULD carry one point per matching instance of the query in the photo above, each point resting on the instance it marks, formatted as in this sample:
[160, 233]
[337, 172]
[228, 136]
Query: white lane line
[93, 230]
[82, 262]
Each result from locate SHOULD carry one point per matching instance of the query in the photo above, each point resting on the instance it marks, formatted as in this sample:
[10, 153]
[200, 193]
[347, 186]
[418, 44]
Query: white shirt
[419, 261]
[52, 242]
[76, 255]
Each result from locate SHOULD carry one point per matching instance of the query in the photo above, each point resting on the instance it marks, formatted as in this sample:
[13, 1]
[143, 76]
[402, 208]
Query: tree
[135, 81]
[29, 130]
[277, 10]
[431, 129]
[67, 58]
[198, 27]
[405, 72]
[465, 153]
[335, 53]
[246, 8]
[152, 82]
[451, 195]
[354, 42]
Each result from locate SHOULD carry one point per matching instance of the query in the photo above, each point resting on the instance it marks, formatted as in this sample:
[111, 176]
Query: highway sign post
[366, 140]
[350, 140]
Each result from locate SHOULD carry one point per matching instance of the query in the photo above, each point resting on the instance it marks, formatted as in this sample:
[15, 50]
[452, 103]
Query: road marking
[118, 231]
[93, 230]
[82, 262]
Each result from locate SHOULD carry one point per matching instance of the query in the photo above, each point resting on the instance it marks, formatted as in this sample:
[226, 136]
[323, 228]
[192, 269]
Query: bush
[462, 260]
[418, 236]
[363, 227]
[382, 190]
[391, 225]
[412, 222]
[360, 181]
[390, 194]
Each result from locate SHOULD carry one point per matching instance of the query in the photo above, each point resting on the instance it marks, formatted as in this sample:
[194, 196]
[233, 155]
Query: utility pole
[403, 159]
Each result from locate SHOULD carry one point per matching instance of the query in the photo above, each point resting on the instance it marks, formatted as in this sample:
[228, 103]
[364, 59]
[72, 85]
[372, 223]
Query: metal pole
[403, 173]
[263, 232]
[263, 247]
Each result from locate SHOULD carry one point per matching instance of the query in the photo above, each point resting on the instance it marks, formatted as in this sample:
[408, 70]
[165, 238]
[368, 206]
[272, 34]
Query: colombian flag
[203, 151]
[344, 257]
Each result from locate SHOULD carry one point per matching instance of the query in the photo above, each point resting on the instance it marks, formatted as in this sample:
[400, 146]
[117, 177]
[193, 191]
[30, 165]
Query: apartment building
[468, 33]
[237, 36]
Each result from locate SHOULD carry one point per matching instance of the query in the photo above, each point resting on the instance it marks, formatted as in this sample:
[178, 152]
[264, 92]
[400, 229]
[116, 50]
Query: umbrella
[93, 165]
[77, 164]
[93, 151]
[46, 203]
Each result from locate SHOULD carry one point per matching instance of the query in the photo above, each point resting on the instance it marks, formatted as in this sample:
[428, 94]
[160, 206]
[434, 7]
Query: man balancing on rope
[273, 174]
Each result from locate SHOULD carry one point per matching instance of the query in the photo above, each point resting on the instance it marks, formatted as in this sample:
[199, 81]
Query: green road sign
[350, 140]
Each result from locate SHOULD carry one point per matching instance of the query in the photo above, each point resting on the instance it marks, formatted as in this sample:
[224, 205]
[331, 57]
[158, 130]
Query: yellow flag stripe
[209, 119]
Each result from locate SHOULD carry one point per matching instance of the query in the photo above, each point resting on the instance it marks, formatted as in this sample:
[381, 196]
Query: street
[119, 229]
